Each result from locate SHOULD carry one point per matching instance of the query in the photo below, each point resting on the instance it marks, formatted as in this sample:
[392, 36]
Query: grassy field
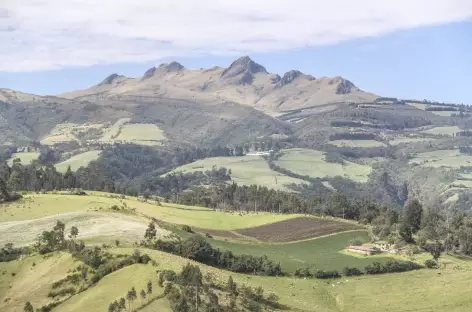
[66, 132]
[34, 206]
[321, 253]
[112, 132]
[246, 170]
[97, 298]
[313, 163]
[143, 134]
[31, 282]
[442, 158]
[357, 143]
[449, 131]
[26, 158]
[77, 161]
[93, 226]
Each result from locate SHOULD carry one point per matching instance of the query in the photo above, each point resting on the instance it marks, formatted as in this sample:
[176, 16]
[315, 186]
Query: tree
[435, 250]
[231, 286]
[131, 296]
[4, 194]
[411, 220]
[28, 307]
[122, 304]
[143, 294]
[74, 231]
[149, 289]
[150, 232]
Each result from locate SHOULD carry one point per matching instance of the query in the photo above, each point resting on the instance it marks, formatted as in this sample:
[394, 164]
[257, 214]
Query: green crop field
[442, 158]
[77, 161]
[357, 143]
[313, 163]
[26, 158]
[321, 253]
[449, 131]
[144, 134]
[246, 170]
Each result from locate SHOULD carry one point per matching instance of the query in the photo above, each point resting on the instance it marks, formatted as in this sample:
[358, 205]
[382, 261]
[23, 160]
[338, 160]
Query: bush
[391, 267]
[187, 228]
[62, 292]
[352, 271]
[431, 264]
[327, 274]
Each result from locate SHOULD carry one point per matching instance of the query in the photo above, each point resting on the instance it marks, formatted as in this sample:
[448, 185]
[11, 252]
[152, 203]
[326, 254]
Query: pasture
[321, 253]
[245, 170]
[143, 134]
[407, 140]
[26, 157]
[442, 158]
[95, 226]
[77, 161]
[446, 131]
[35, 206]
[97, 298]
[66, 132]
[312, 163]
[357, 143]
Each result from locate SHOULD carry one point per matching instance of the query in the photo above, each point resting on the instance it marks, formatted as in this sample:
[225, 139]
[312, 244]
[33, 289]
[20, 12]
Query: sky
[418, 49]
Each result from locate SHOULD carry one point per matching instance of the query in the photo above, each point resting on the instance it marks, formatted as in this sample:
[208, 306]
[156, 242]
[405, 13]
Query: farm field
[405, 140]
[105, 227]
[297, 229]
[442, 158]
[321, 253]
[357, 143]
[77, 161]
[143, 134]
[449, 131]
[34, 206]
[66, 132]
[246, 170]
[31, 282]
[313, 163]
[97, 298]
[26, 157]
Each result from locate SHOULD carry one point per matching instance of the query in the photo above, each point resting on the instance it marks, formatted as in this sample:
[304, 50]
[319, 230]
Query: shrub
[352, 271]
[391, 267]
[327, 274]
[62, 292]
[431, 264]
[187, 228]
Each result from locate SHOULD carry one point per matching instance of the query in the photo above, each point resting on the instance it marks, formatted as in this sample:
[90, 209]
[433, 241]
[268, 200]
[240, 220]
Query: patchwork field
[67, 132]
[26, 158]
[143, 134]
[357, 143]
[449, 131]
[246, 170]
[297, 229]
[313, 163]
[77, 161]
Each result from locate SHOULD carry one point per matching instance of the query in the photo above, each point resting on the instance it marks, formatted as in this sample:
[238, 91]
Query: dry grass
[143, 134]
[77, 161]
[26, 158]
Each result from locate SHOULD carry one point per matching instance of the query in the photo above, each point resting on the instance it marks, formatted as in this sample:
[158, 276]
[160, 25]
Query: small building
[361, 250]
[383, 245]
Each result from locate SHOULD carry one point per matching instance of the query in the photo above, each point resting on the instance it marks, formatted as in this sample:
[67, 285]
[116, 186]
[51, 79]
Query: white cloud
[49, 34]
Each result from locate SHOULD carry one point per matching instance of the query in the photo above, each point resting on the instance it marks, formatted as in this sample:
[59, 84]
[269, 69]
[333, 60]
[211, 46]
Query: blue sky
[423, 54]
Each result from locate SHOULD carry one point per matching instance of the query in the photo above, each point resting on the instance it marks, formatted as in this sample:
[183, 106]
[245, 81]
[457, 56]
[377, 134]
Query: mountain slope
[244, 82]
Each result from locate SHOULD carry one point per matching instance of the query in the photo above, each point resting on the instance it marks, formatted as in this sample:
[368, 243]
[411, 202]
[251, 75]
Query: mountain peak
[291, 75]
[243, 66]
[110, 79]
[163, 68]
[344, 86]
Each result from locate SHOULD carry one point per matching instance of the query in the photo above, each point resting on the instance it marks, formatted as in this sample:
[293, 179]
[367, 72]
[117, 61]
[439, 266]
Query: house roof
[361, 248]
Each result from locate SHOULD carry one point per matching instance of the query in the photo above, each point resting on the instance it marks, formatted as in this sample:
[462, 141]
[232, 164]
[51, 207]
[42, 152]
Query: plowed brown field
[297, 229]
